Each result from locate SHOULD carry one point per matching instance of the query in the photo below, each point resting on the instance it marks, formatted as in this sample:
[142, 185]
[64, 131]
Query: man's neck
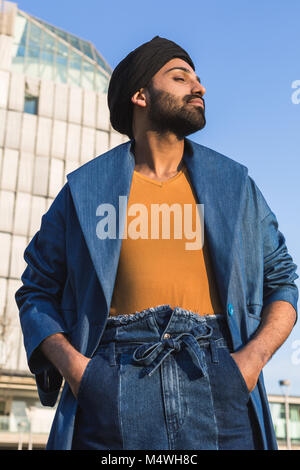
[158, 157]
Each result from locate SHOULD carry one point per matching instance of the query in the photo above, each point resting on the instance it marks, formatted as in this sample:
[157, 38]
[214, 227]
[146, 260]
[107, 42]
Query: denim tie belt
[152, 355]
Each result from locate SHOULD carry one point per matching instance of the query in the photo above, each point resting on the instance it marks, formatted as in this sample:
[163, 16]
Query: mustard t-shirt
[163, 259]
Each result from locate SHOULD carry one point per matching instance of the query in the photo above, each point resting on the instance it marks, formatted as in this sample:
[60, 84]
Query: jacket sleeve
[38, 299]
[279, 269]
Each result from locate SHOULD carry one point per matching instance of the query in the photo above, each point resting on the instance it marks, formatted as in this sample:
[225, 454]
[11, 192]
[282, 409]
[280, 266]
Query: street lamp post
[285, 384]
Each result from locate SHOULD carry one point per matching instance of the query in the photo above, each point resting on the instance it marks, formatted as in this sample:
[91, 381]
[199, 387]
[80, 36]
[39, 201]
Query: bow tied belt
[152, 355]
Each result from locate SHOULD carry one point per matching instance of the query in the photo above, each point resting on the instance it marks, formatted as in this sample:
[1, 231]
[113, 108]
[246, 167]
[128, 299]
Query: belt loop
[214, 352]
[112, 353]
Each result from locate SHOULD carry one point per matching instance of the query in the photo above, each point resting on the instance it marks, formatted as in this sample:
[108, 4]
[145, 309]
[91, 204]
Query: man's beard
[166, 115]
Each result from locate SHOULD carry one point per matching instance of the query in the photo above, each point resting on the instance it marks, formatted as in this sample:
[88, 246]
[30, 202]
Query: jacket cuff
[37, 361]
[48, 385]
[286, 295]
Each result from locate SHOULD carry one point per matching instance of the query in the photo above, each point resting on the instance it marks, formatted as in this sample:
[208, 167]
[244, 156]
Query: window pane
[74, 41]
[101, 82]
[47, 57]
[86, 49]
[62, 53]
[30, 104]
[61, 63]
[19, 51]
[18, 417]
[35, 35]
[101, 62]
[33, 52]
[75, 68]
[278, 416]
[295, 423]
[62, 34]
[21, 29]
[48, 44]
[48, 26]
[61, 74]
[88, 75]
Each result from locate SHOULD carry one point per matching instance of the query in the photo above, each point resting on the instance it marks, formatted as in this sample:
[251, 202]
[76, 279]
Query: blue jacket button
[230, 309]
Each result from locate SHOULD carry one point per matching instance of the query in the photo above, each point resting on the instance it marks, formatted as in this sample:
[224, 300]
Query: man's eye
[179, 78]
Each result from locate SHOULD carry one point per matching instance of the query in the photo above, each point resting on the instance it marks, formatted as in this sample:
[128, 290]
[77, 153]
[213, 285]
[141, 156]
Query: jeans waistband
[157, 332]
[156, 322]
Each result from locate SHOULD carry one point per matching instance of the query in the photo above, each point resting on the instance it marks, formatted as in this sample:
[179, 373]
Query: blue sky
[247, 54]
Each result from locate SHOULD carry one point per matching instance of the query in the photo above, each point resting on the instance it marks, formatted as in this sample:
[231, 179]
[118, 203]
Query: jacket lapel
[102, 181]
[218, 183]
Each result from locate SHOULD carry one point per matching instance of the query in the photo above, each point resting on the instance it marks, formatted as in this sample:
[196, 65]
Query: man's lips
[197, 101]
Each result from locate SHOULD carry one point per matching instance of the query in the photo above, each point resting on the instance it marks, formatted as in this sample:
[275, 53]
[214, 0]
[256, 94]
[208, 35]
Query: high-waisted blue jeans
[164, 379]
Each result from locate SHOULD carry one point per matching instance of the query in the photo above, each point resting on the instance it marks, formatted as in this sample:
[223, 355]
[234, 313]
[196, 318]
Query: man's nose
[199, 89]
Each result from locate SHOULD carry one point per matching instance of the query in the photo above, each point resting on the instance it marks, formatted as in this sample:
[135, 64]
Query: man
[161, 343]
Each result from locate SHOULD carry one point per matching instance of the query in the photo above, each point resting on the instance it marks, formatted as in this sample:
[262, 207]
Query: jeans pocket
[83, 380]
[239, 374]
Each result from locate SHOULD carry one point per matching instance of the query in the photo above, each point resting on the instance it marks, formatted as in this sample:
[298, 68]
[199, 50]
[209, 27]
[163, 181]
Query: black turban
[134, 72]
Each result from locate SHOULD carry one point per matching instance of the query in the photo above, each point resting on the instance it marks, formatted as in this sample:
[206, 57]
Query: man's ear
[140, 98]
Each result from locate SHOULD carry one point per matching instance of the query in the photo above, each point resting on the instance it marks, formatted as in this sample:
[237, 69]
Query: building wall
[36, 153]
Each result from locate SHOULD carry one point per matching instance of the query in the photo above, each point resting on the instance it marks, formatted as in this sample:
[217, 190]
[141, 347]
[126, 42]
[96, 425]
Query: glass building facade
[46, 52]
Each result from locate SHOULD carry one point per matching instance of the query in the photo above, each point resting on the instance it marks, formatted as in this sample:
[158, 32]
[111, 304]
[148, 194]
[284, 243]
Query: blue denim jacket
[69, 279]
